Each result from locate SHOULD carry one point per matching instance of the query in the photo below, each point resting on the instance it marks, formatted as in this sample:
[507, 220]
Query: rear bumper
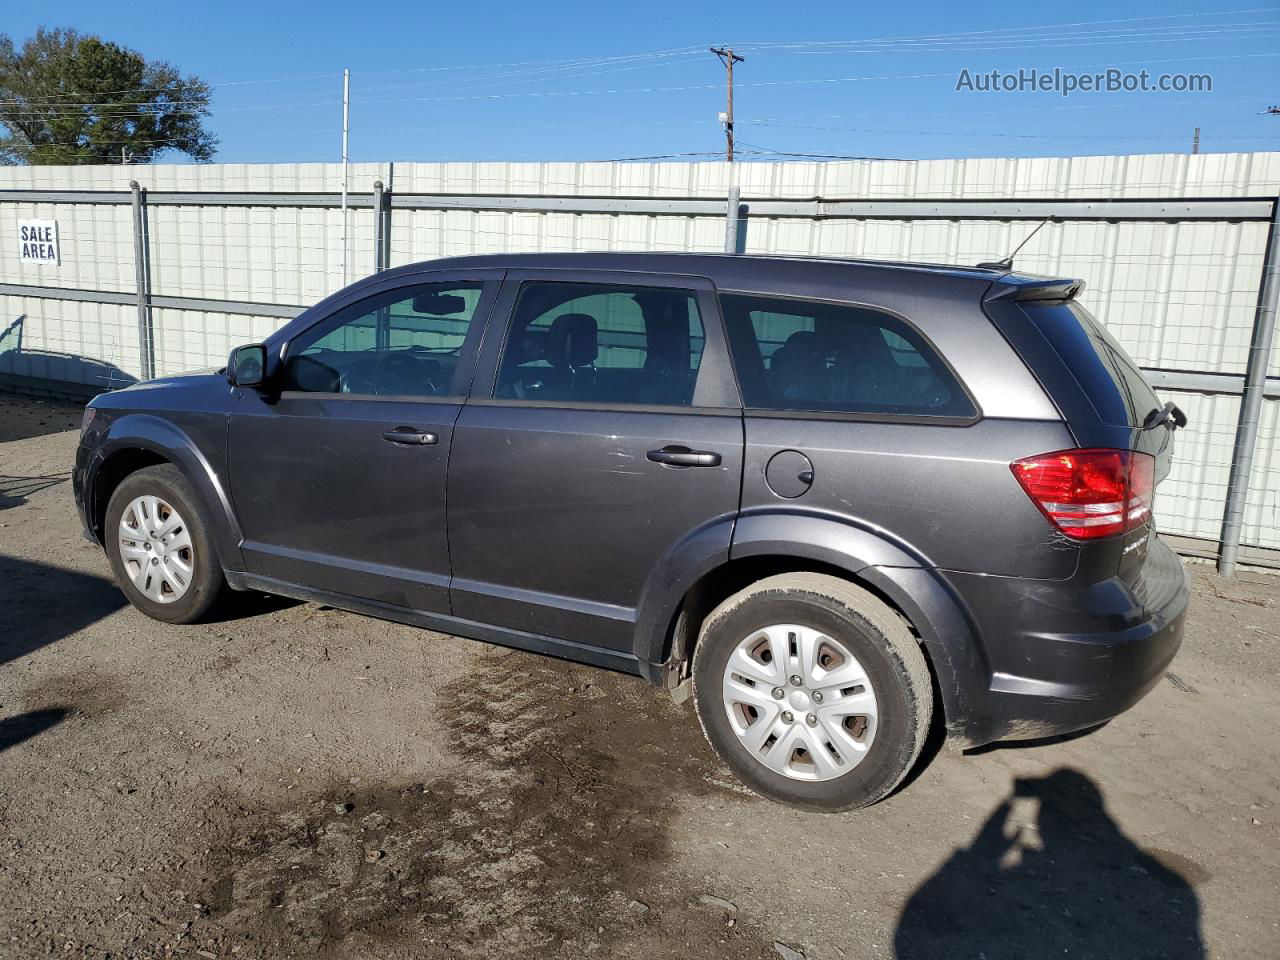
[1064, 657]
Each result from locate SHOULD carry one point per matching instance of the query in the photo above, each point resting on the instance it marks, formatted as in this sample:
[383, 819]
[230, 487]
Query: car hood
[186, 378]
[147, 394]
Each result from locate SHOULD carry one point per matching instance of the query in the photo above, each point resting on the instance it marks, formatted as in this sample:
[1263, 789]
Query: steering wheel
[406, 372]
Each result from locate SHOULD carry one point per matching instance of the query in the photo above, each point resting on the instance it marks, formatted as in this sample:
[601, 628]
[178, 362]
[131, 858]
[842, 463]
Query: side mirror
[247, 366]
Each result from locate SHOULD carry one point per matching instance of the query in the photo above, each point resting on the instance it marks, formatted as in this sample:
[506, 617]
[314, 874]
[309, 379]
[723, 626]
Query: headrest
[859, 340]
[801, 350]
[798, 366]
[572, 340]
[801, 340]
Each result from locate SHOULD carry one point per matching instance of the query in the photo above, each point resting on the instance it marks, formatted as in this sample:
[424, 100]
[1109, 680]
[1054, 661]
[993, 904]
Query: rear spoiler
[1016, 287]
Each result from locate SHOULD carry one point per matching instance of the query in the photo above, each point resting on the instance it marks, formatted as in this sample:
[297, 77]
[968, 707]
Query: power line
[661, 156]
[769, 151]
[1023, 30]
[534, 68]
[226, 83]
[1127, 105]
[782, 83]
[1154, 29]
[498, 66]
[974, 133]
[1100, 38]
[674, 89]
[547, 65]
[600, 65]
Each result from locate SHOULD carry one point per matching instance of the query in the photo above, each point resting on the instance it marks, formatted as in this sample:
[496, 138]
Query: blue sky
[602, 81]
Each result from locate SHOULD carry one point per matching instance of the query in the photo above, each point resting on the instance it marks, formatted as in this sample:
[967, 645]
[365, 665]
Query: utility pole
[1195, 141]
[728, 58]
[346, 107]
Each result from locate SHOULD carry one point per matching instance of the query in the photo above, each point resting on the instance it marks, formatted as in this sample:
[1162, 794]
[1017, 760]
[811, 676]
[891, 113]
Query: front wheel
[160, 546]
[813, 691]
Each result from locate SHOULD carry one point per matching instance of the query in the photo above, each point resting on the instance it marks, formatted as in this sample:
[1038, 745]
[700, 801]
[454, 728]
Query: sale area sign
[38, 240]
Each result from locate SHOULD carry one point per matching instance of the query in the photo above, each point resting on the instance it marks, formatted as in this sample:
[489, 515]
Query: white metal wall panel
[427, 234]
[1262, 511]
[281, 255]
[1178, 295]
[1107, 177]
[95, 246]
[217, 177]
[1192, 499]
[197, 340]
[84, 343]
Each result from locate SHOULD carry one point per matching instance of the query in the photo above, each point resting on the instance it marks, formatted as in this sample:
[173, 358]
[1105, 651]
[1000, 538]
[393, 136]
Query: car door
[603, 429]
[338, 468]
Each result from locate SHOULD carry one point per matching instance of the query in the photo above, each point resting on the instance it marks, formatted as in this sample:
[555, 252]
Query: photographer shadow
[1069, 882]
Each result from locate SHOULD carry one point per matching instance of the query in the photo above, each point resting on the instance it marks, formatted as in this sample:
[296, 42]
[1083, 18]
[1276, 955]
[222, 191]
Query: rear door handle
[411, 437]
[677, 456]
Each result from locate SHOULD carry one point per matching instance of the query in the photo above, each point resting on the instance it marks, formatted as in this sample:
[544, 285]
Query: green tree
[70, 98]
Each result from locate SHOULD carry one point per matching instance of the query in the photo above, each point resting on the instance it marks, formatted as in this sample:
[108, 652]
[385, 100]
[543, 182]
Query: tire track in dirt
[551, 840]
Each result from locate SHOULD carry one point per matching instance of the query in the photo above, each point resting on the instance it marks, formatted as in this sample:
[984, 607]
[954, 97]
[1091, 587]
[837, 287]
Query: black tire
[168, 483]
[873, 633]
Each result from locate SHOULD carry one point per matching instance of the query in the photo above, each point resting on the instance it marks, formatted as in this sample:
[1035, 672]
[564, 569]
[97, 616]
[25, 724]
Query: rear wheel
[813, 691]
[158, 540]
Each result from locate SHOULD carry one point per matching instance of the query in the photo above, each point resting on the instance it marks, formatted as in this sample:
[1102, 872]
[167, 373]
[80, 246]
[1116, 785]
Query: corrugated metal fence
[1172, 248]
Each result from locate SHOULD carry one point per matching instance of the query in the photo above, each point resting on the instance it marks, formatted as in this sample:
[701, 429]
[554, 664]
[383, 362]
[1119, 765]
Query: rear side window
[809, 355]
[1114, 384]
[602, 343]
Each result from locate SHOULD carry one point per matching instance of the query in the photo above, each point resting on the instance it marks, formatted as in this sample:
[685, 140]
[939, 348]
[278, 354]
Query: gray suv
[836, 501]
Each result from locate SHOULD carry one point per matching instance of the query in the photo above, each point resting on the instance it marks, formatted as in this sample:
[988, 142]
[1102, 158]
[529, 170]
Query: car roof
[738, 271]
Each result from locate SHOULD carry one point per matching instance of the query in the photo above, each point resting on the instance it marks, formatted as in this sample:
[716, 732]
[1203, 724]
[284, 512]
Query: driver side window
[403, 343]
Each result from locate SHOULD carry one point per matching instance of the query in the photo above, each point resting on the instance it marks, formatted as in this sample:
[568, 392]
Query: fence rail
[1189, 284]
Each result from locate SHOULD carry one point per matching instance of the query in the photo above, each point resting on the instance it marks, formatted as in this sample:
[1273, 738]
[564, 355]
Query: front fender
[142, 431]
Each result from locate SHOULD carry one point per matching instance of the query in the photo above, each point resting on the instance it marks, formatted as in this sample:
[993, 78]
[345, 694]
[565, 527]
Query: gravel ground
[295, 781]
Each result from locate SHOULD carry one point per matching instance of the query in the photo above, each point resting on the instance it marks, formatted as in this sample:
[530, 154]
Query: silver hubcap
[155, 546]
[800, 702]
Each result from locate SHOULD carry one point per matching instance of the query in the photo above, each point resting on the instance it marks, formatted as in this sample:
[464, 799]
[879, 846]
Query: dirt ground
[294, 781]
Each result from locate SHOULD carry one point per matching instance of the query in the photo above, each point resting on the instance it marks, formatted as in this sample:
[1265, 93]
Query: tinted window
[598, 343]
[805, 355]
[1111, 380]
[406, 342]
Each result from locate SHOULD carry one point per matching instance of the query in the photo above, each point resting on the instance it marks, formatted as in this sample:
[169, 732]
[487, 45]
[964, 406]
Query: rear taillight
[1089, 494]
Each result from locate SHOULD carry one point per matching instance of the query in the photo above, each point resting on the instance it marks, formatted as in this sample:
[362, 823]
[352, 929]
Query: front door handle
[411, 437]
[677, 456]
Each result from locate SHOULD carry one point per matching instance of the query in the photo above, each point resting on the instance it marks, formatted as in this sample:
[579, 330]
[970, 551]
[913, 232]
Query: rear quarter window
[1115, 386]
[813, 355]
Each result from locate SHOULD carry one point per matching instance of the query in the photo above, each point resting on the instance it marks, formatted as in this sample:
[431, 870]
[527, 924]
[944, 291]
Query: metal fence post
[379, 225]
[142, 283]
[733, 211]
[1255, 382]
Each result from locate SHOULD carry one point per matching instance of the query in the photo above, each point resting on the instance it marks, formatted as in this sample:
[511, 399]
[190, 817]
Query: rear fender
[901, 575]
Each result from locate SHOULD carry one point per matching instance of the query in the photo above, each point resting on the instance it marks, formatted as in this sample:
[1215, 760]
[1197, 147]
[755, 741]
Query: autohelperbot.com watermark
[1067, 82]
